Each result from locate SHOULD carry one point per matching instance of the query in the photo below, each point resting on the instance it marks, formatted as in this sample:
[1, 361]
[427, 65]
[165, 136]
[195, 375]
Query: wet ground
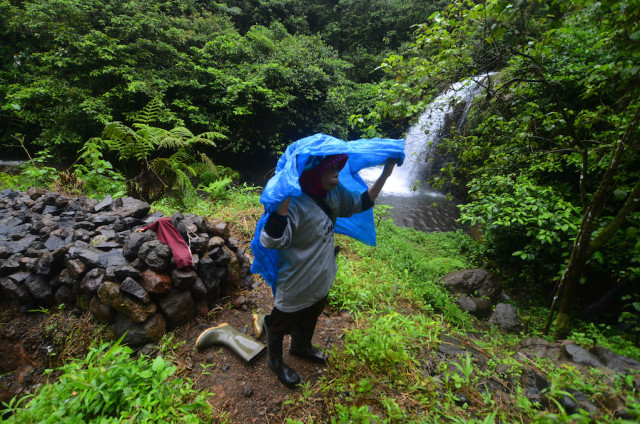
[31, 342]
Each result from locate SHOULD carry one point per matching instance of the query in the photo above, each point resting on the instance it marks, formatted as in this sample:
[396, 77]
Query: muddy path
[33, 341]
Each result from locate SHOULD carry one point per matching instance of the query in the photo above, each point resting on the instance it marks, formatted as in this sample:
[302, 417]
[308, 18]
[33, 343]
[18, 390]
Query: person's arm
[376, 187]
[277, 221]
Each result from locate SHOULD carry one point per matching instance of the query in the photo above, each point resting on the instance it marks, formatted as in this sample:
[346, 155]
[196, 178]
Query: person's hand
[388, 166]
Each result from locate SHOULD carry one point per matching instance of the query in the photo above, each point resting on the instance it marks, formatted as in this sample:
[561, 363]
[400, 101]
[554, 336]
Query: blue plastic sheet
[362, 153]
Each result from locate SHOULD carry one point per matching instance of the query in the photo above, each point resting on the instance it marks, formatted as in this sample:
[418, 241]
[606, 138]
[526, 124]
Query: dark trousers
[298, 322]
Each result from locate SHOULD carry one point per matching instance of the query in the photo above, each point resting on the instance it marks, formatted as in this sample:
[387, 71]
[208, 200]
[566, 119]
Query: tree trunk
[581, 248]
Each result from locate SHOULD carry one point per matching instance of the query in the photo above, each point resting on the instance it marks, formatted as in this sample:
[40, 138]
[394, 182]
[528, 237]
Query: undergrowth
[108, 386]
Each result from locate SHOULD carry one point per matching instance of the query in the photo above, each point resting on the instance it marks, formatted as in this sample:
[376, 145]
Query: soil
[31, 342]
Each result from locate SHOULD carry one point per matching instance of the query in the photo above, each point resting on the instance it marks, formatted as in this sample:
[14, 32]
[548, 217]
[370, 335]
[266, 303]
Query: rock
[247, 391]
[577, 400]
[109, 293]
[178, 307]
[154, 282]
[86, 254]
[92, 281]
[618, 363]
[581, 356]
[35, 193]
[132, 288]
[239, 302]
[14, 288]
[233, 279]
[203, 225]
[104, 219]
[46, 265]
[105, 204]
[210, 275]
[221, 229]
[127, 223]
[473, 282]
[477, 306]
[198, 290]
[11, 265]
[451, 346]
[149, 331]
[54, 242]
[201, 307]
[199, 245]
[40, 289]
[64, 295]
[533, 383]
[75, 267]
[535, 346]
[133, 243]
[102, 312]
[130, 207]
[156, 255]
[215, 242]
[233, 244]
[505, 316]
[183, 279]
[126, 271]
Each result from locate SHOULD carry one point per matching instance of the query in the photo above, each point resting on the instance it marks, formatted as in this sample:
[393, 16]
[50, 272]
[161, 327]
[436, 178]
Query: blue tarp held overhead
[362, 153]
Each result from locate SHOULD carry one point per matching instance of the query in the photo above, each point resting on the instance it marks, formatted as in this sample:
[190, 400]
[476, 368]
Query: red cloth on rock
[168, 234]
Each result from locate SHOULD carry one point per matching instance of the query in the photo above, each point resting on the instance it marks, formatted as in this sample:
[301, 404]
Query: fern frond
[126, 142]
[181, 132]
[207, 160]
[171, 142]
[181, 157]
[184, 184]
[208, 138]
[150, 113]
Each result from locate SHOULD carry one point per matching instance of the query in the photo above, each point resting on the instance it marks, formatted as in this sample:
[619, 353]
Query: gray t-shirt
[306, 260]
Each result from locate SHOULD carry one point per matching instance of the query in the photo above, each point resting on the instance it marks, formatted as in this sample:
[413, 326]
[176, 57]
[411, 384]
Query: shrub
[110, 387]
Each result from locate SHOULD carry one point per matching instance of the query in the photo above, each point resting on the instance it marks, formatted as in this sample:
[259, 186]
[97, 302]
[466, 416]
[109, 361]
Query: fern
[150, 113]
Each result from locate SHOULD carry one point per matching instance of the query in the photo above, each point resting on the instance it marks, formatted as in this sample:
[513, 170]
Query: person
[302, 231]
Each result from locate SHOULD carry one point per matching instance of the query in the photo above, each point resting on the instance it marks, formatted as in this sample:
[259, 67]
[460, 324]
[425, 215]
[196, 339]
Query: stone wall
[56, 250]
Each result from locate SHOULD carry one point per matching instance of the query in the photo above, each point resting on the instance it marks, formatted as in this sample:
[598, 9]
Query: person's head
[320, 175]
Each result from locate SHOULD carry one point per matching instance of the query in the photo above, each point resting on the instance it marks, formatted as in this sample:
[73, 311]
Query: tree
[562, 104]
[156, 174]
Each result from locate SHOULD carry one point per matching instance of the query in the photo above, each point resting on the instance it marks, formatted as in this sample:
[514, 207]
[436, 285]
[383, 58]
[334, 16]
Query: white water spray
[422, 138]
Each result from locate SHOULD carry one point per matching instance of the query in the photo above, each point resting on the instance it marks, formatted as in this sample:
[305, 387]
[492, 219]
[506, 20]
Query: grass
[388, 369]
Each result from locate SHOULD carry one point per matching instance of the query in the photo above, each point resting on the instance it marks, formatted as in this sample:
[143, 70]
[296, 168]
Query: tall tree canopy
[550, 157]
[71, 66]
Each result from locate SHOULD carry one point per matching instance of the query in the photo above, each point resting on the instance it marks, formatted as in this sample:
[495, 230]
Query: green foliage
[390, 341]
[143, 143]
[538, 144]
[69, 68]
[109, 387]
[97, 174]
[407, 266]
[522, 219]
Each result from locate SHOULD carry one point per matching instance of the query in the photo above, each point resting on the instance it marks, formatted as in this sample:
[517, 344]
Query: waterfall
[451, 107]
[406, 189]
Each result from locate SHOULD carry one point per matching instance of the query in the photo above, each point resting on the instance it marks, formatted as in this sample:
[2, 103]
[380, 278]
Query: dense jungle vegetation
[140, 97]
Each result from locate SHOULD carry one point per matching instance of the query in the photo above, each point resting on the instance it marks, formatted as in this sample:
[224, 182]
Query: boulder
[505, 317]
[178, 307]
[157, 283]
[474, 282]
[139, 334]
[156, 255]
[109, 293]
[618, 363]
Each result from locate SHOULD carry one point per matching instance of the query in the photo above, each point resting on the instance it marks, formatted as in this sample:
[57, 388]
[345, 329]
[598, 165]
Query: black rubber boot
[286, 375]
[301, 346]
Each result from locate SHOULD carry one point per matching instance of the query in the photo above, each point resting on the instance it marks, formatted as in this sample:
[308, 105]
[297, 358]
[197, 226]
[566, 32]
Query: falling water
[416, 204]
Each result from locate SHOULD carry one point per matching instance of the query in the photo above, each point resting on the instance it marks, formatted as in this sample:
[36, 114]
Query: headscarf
[316, 166]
